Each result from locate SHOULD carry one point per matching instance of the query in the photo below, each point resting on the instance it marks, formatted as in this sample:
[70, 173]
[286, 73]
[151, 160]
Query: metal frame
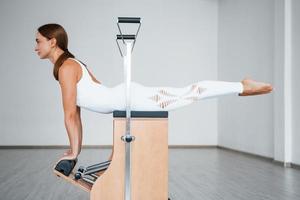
[127, 138]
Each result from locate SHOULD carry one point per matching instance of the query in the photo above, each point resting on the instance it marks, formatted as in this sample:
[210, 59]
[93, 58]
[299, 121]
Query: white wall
[246, 42]
[260, 39]
[177, 45]
[296, 80]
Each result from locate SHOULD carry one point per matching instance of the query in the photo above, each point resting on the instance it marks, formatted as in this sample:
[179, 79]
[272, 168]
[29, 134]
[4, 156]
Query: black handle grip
[129, 20]
[126, 37]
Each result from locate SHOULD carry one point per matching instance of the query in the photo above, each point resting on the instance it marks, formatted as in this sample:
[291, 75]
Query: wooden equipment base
[149, 163]
[80, 183]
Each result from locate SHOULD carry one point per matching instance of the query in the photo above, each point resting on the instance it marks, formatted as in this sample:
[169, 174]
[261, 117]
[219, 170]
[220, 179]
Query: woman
[81, 89]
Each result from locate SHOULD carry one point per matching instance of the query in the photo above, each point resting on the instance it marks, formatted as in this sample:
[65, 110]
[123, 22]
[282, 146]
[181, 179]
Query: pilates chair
[149, 160]
[139, 166]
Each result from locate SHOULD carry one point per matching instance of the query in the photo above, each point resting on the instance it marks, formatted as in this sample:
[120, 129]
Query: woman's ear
[52, 42]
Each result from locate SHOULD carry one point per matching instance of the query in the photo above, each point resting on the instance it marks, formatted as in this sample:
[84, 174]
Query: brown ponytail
[58, 32]
[60, 61]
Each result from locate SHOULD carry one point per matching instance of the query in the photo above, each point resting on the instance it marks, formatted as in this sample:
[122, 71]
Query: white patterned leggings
[144, 98]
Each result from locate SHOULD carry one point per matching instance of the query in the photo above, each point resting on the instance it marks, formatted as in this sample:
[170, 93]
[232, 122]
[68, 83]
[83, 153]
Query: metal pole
[127, 70]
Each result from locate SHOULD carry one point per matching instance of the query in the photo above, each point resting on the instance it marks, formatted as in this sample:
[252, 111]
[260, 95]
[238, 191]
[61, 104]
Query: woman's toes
[268, 88]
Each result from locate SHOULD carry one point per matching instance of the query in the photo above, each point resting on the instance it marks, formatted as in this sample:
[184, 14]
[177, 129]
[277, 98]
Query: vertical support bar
[127, 68]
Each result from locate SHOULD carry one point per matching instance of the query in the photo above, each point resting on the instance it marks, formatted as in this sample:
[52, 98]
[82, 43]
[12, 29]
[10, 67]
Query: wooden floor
[194, 174]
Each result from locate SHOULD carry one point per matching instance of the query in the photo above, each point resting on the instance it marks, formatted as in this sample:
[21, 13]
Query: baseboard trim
[246, 153]
[276, 162]
[295, 166]
[191, 146]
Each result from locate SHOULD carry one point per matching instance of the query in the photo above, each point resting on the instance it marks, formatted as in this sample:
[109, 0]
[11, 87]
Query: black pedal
[65, 166]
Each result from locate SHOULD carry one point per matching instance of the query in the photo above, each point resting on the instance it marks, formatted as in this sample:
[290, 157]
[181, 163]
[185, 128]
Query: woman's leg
[145, 98]
[171, 98]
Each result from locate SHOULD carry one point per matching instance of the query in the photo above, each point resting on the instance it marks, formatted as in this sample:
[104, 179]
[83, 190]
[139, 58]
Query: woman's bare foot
[252, 87]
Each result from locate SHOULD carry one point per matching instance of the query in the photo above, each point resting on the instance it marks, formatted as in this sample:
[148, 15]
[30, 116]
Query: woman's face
[43, 46]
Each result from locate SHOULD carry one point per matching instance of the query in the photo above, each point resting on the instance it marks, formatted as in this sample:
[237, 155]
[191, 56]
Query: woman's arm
[68, 74]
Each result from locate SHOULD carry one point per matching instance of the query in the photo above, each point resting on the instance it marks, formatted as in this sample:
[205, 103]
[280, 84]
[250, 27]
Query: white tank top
[91, 95]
